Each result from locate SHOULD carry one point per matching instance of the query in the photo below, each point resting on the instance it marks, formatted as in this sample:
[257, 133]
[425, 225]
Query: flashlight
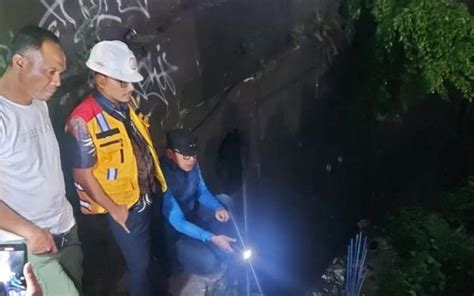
[247, 254]
[243, 253]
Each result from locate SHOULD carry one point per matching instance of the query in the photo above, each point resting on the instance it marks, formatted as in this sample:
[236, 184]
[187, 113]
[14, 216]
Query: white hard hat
[114, 59]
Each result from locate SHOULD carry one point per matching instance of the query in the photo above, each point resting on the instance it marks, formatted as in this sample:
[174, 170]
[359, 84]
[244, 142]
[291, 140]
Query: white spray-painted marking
[141, 7]
[51, 12]
[3, 56]
[4, 48]
[156, 78]
[61, 15]
[154, 66]
[93, 12]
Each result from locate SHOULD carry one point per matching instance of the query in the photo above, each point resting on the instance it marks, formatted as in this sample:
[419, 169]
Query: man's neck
[10, 89]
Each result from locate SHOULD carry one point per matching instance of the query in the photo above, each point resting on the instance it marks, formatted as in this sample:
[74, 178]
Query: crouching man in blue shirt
[196, 220]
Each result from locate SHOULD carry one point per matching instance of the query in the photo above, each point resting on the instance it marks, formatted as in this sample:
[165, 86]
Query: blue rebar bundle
[355, 267]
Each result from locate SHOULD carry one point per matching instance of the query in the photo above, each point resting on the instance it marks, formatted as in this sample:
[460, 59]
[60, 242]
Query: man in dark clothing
[196, 220]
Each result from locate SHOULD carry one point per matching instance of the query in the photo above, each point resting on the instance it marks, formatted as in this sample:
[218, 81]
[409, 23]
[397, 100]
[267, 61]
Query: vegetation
[408, 49]
[436, 249]
[402, 52]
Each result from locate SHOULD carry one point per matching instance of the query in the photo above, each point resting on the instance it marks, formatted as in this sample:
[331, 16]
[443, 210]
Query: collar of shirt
[119, 111]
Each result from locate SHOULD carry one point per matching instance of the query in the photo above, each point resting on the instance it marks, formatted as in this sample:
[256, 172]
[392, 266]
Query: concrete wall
[273, 127]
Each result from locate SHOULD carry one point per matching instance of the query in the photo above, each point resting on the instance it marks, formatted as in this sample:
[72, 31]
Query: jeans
[136, 245]
[194, 256]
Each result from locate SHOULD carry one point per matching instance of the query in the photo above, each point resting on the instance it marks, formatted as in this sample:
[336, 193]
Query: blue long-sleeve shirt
[184, 190]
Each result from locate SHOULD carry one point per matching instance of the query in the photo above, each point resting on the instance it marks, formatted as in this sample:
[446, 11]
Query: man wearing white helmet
[116, 169]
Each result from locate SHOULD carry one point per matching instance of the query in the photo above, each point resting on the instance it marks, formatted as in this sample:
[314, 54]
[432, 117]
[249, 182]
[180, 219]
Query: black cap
[182, 140]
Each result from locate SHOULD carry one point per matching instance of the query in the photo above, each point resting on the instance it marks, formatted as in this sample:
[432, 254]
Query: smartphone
[12, 260]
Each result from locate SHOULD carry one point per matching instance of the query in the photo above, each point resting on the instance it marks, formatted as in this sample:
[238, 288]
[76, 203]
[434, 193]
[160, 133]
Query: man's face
[186, 163]
[115, 90]
[40, 70]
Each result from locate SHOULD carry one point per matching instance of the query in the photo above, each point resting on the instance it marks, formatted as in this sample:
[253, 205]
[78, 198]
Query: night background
[321, 118]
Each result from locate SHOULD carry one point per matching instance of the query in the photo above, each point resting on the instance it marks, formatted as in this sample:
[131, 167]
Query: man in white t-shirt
[33, 205]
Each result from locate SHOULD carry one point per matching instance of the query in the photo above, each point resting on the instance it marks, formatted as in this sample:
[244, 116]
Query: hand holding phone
[33, 287]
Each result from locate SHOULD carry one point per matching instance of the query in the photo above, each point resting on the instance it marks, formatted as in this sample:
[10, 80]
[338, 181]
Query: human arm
[173, 213]
[38, 240]
[206, 198]
[223, 242]
[91, 186]
[83, 161]
[175, 216]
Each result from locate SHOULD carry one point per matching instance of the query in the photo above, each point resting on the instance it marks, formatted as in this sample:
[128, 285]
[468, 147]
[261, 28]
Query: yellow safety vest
[116, 167]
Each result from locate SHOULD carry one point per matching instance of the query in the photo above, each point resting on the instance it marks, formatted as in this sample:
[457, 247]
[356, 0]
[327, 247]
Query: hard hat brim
[132, 77]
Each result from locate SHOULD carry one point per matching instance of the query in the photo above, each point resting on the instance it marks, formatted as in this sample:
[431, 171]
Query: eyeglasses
[185, 157]
[123, 84]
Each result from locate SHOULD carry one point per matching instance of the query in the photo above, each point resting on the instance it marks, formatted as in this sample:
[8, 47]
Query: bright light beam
[249, 253]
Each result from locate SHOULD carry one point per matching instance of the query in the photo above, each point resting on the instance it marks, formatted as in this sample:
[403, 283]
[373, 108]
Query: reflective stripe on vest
[116, 166]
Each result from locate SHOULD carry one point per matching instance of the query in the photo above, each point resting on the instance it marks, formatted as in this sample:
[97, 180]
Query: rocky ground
[380, 258]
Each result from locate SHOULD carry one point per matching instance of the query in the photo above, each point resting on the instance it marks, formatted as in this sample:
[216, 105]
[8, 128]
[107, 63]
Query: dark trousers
[136, 246]
[194, 256]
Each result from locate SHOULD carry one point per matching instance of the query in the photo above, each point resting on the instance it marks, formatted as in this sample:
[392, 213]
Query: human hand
[222, 215]
[120, 215]
[33, 288]
[223, 242]
[41, 241]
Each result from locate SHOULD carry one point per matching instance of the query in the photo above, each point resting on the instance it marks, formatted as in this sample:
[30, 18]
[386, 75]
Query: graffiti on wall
[80, 21]
[158, 83]
[92, 13]
[3, 54]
